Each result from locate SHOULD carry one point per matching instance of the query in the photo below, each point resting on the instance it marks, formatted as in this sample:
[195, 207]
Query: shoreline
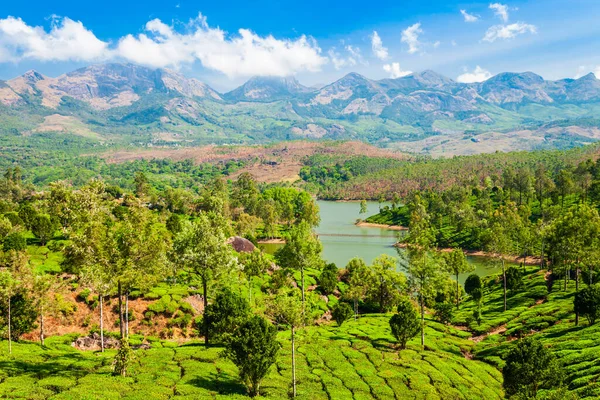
[271, 241]
[529, 260]
[383, 226]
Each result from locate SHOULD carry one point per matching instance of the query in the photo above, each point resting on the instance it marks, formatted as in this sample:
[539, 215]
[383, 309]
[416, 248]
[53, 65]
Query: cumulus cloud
[477, 75]
[67, 40]
[508, 31]
[410, 36]
[355, 55]
[244, 54]
[500, 10]
[241, 54]
[395, 71]
[377, 46]
[469, 17]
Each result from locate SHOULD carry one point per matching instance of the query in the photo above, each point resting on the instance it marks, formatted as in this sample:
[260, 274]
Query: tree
[357, 282]
[329, 278]
[253, 264]
[456, 263]
[530, 367]
[42, 227]
[202, 248]
[587, 303]
[253, 349]
[443, 312]
[302, 250]
[514, 279]
[226, 314]
[289, 310]
[363, 207]
[21, 314]
[472, 283]
[341, 312]
[384, 283]
[405, 324]
[122, 358]
[43, 289]
[14, 241]
[141, 184]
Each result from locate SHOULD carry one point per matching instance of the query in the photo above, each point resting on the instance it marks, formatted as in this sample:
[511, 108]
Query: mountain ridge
[134, 104]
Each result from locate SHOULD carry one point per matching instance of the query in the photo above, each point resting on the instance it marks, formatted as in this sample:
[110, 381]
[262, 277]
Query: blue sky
[224, 44]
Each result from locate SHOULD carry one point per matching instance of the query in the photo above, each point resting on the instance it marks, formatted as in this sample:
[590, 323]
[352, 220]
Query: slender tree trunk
[566, 274]
[302, 275]
[542, 256]
[355, 309]
[127, 314]
[42, 325]
[457, 291]
[9, 324]
[422, 320]
[205, 292]
[504, 283]
[121, 321]
[101, 322]
[293, 362]
[576, 290]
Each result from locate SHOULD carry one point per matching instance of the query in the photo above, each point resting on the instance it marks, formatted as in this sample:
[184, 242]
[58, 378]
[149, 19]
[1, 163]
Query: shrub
[23, 315]
[514, 279]
[473, 282]
[405, 324]
[226, 313]
[253, 349]
[123, 358]
[341, 313]
[587, 303]
[443, 312]
[328, 278]
[14, 241]
[530, 367]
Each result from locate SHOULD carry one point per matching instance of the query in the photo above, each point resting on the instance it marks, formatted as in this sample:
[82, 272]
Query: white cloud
[377, 46]
[355, 55]
[244, 54]
[67, 40]
[469, 17]
[238, 55]
[500, 10]
[508, 31]
[586, 69]
[477, 75]
[339, 61]
[395, 71]
[410, 36]
[436, 44]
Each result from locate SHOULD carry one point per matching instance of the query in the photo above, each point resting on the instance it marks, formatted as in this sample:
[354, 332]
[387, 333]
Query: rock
[92, 342]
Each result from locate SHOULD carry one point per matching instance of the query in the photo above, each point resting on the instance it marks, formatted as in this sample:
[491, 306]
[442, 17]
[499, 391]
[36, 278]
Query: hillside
[125, 104]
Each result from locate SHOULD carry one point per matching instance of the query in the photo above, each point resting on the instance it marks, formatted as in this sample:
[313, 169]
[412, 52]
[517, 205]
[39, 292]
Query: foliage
[329, 278]
[122, 359]
[587, 303]
[530, 367]
[405, 323]
[341, 312]
[443, 312]
[253, 349]
[226, 314]
[514, 279]
[472, 283]
[23, 314]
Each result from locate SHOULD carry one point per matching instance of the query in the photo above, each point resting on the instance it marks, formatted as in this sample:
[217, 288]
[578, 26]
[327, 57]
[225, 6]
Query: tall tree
[201, 247]
[302, 250]
[253, 264]
[456, 263]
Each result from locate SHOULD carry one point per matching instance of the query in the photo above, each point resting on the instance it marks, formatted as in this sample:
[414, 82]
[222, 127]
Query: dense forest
[146, 279]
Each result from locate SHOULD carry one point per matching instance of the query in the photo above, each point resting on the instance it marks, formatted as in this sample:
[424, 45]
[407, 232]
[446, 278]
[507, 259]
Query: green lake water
[343, 240]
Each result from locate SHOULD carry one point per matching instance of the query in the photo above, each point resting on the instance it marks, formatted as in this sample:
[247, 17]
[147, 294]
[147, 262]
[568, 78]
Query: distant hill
[422, 112]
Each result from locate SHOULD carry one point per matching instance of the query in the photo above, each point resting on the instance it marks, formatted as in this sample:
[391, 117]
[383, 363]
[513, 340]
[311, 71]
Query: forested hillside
[136, 288]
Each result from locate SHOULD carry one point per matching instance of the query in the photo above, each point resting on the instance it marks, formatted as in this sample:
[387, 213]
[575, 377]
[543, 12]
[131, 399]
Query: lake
[343, 240]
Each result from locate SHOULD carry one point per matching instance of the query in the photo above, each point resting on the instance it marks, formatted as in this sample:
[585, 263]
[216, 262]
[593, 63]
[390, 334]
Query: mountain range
[125, 103]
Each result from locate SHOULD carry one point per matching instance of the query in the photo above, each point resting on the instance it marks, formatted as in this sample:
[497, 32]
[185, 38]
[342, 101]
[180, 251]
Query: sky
[224, 44]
